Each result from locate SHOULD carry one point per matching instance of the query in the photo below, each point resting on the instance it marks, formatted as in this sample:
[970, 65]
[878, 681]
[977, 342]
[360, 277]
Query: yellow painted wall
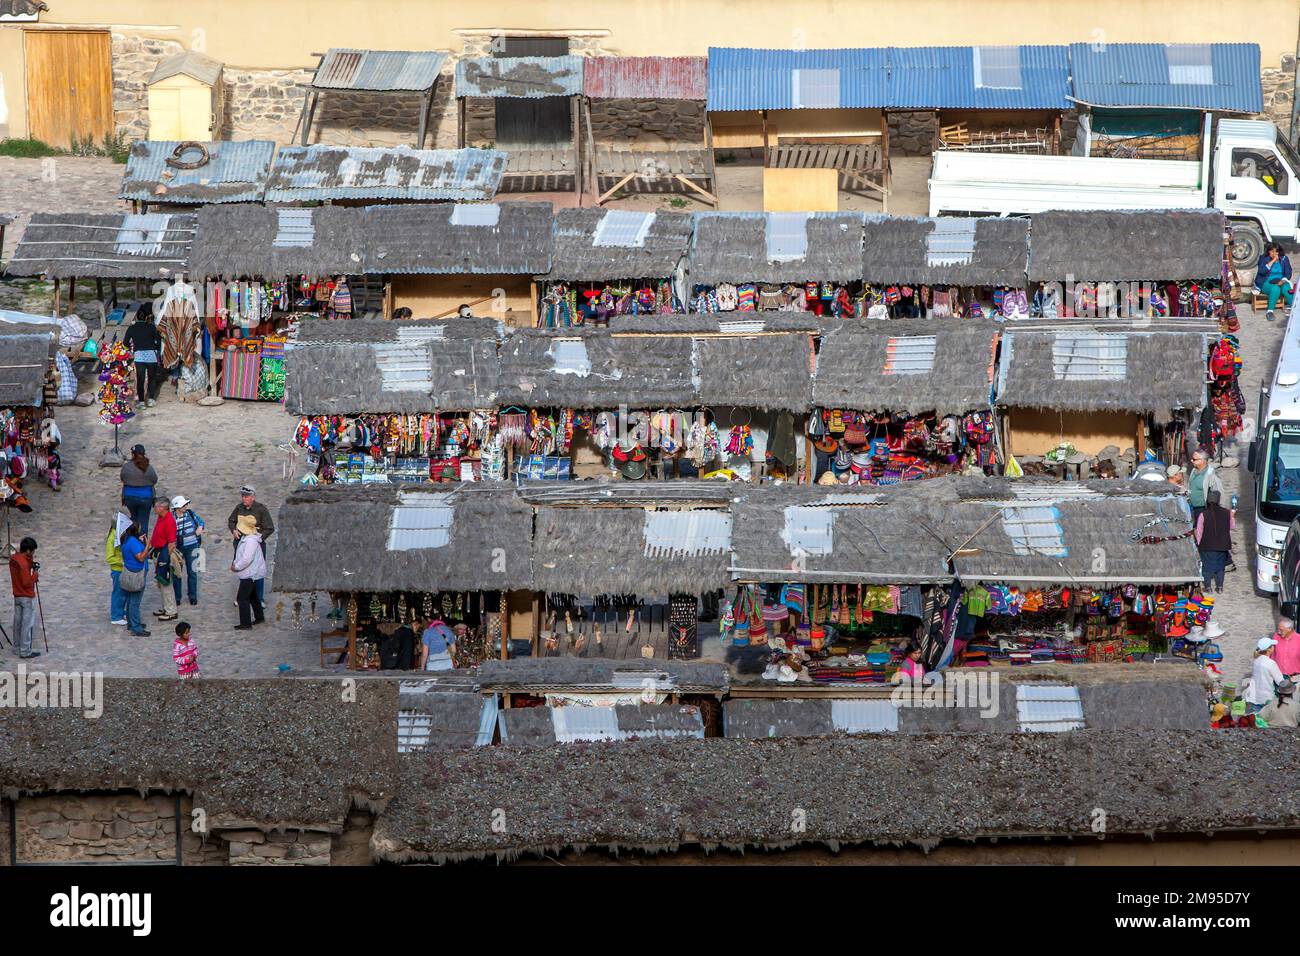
[1035, 431]
[801, 190]
[281, 35]
[440, 296]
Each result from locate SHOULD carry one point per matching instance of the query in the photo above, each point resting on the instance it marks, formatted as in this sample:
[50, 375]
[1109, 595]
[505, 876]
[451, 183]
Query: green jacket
[113, 551]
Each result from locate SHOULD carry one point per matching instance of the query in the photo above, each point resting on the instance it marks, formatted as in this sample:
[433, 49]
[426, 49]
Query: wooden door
[69, 86]
[538, 122]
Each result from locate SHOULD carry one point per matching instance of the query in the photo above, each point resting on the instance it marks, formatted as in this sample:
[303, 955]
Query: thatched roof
[870, 367]
[105, 245]
[578, 257]
[338, 538]
[266, 753]
[324, 331]
[445, 719]
[635, 371]
[771, 372]
[882, 789]
[1143, 372]
[424, 239]
[733, 247]
[1092, 246]
[907, 250]
[25, 353]
[249, 240]
[631, 550]
[727, 323]
[405, 367]
[541, 674]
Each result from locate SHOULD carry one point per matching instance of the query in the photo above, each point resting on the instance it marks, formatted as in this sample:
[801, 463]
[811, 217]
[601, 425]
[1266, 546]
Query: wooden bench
[332, 645]
[677, 169]
[856, 163]
[540, 169]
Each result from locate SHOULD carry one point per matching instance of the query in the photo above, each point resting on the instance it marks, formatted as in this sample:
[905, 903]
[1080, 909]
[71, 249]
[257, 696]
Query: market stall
[386, 556]
[1155, 267]
[1069, 397]
[945, 268]
[783, 262]
[614, 262]
[544, 152]
[437, 259]
[904, 400]
[385, 401]
[29, 436]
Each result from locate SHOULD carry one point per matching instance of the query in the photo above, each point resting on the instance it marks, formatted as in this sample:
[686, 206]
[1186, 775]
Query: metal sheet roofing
[982, 77]
[236, 171]
[750, 79]
[382, 71]
[419, 520]
[1048, 708]
[645, 77]
[302, 173]
[519, 77]
[196, 65]
[1197, 76]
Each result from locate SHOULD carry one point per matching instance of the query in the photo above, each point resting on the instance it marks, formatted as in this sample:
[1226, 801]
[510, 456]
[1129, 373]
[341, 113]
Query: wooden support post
[425, 109]
[99, 289]
[591, 147]
[886, 176]
[308, 114]
[460, 122]
[708, 156]
[764, 139]
[56, 296]
[352, 641]
[505, 625]
[578, 183]
[539, 600]
[72, 293]
[534, 304]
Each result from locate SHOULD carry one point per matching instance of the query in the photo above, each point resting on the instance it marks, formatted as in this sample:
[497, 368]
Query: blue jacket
[134, 552]
[1265, 267]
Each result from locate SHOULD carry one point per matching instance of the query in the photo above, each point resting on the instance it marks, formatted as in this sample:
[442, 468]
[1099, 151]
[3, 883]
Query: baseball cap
[247, 490]
[1264, 643]
[137, 449]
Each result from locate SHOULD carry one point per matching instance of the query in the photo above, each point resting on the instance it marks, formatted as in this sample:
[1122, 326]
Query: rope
[175, 161]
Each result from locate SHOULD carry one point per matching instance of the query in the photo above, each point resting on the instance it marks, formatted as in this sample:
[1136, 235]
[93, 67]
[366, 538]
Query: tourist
[261, 514]
[437, 643]
[24, 572]
[113, 558]
[250, 566]
[1265, 677]
[185, 653]
[162, 545]
[1273, 278]
[135, 562]
[1287, 654]
[1214, 527]
[146, 346]
[1202, 481]
[138, 480]
[1177, 476]
[189, 539]
[1283, 711]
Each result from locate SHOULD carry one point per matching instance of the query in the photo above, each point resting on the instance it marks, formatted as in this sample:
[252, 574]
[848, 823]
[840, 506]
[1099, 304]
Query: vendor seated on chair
[1282, 711]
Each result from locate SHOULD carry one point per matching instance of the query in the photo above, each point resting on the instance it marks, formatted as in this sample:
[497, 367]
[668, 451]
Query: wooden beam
[764, 114]
[505, 625]
[72, 293]
[578, 178]
[608, 194]
[708, 153]
[56, 296]
[591, 146]
[308, 114]
[703, 192]
[425, 109]
[460, 122]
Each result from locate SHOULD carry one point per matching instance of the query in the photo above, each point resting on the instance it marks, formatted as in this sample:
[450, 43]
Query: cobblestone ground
[57, 184]
[205, 454]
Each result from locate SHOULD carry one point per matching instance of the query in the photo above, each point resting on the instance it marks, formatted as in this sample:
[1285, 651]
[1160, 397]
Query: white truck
[1246, 170]
[1275, 462]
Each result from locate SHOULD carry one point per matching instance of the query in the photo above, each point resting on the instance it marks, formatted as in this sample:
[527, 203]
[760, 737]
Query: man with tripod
[24, 572]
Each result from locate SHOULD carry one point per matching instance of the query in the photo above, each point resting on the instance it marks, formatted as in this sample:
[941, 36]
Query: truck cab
[1256, 185]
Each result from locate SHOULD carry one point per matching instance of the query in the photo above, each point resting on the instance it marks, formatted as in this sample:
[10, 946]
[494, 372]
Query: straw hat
[246, 524]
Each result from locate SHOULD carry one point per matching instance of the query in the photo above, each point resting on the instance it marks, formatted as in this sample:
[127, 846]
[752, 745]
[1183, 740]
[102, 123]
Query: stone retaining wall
[1279, 94]
[107, 828]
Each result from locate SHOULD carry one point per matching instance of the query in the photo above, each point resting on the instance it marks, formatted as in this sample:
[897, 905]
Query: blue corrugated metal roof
[988, 77]
[379, 70]
[320, 172]
[749, 79]
[519, 77]
[1211, 76]
[235, 172]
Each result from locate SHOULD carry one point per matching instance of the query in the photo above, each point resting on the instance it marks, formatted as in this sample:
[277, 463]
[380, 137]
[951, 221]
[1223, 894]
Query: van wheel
[1247, 244]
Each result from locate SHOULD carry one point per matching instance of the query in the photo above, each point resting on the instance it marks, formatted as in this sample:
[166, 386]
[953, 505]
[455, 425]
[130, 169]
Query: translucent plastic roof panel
[815, 89]
[741, 326]
[413, 729]
[624, 228]
[421, 333]
[910, 354]
[1190, 63]
[1090, 357]
[671, 534]
[421, 519]
[951, 242]
[1048, 708]
[475, 214]
[1035, 530]
[142, 235]
[570, 357]
[997, 67]
[294, 229]
[573, 724]
[809, 530]
[787, 236]
[402, 368]
[864, 716]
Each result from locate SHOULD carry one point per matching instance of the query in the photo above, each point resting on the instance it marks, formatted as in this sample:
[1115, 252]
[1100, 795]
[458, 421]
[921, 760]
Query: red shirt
[22, 575]
[164, 532]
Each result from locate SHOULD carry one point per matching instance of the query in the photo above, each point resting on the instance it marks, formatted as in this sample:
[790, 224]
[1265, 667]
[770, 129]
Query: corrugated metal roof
[910, 354]
[809, 530]
[196, 65]
[420, 520]
[963, 77]
[864, 716]
[381, 71]
[750, 79]
[1035, 530]
[1090, 357]
[519, 77]
[1048, 707]
[236, 171]
[302, 173]
[670, 534]
[1173, 76]
[645, 77]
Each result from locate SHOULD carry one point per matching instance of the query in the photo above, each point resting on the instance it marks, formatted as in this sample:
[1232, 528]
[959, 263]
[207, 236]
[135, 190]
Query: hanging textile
[683, 627]
[241, 374]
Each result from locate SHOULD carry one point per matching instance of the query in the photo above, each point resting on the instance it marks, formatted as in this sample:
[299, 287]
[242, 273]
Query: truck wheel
[1247, 244]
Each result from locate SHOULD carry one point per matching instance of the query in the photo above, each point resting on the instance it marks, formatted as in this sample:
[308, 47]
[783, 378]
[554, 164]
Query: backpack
[1223, 360]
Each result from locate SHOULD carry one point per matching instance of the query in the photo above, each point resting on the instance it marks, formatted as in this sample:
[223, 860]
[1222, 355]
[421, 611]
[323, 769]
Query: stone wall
[647, 122]
[1279, 94]
[134, 60]
[352, 846]
[912, 133]
[278, 848]
[103, 828]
